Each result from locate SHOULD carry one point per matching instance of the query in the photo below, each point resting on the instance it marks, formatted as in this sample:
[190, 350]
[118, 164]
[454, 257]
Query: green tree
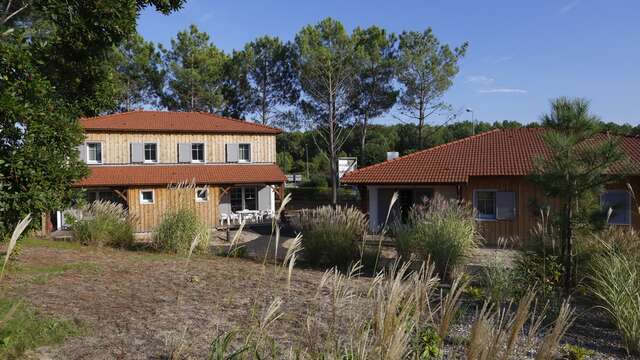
[139, 73]
[195, 73]
[56, 64]
[372, 93]
[271, 79]
[577, 165]
[425, 70]
[325, 56]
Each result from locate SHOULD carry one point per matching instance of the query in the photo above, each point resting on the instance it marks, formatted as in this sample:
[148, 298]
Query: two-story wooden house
[133, 157]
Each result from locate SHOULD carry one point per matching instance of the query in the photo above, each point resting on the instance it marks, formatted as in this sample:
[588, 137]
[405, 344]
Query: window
[146, 197]
[243, 198]
[494, 205]
[202, 194]
[150, 152]
[250, 198]
[94, 153]
[484, 202]
[617, 204]
[197, 152]
[244, 152]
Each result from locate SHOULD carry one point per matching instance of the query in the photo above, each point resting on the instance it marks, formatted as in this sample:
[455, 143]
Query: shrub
[104, 223]
[429, 344]
[443, 231]
[499, 282]
[573, 352]
[331, 235]
[178, 229]
[615, 281]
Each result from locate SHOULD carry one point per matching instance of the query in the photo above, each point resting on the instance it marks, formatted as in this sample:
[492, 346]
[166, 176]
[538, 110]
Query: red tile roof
[508, 152]
[147, 175]
[172, 121]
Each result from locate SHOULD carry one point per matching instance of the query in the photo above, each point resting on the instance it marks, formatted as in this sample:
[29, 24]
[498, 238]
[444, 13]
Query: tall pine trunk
[363, 142]
[567, 246]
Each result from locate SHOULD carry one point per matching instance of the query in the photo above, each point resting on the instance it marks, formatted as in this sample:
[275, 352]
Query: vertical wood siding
[115, 146]
[165, 201]
[528, 199]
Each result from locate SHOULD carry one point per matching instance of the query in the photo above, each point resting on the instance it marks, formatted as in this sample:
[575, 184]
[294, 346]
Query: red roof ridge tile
[126, 114]
[423, 151]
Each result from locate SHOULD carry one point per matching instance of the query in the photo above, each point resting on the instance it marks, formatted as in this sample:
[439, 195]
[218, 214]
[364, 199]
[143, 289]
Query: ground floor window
[617, 204]
[484, 201]
[146, 197]
[202, 194]
[244, 198]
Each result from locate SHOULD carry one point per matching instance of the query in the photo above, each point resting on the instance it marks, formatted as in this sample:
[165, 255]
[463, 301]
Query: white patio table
[247, 213]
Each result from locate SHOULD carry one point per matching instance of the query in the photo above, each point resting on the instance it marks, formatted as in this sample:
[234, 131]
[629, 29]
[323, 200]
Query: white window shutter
[137, 152]
[232, 152]
[184, 152]
[505, 205]
[82, 152]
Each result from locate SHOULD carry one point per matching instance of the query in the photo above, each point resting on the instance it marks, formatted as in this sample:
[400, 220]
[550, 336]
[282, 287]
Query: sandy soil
[134, 304]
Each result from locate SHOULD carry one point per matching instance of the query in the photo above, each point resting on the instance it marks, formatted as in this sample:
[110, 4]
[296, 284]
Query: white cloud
[502, 91]
[569, 6]
[480, 79]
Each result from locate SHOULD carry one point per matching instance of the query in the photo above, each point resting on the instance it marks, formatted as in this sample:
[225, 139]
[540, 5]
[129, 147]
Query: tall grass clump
[443, 231]
[104, 223]
[331, 235]
[178, 229]
[615, 281]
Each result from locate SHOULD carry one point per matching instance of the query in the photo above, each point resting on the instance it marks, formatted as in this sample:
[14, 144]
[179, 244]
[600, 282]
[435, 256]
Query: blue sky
[521, 53]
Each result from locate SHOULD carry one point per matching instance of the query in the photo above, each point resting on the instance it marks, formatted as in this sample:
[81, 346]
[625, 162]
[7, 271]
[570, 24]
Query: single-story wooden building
[490, 171]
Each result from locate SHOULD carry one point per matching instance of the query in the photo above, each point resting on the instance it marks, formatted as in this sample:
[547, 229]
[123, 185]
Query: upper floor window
[94, 153]
[238, 152]
[197, 152]
[617, 204]
[244, 152]
[150, 152]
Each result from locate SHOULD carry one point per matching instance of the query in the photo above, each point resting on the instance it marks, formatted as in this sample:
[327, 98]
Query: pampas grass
[19, 229]
[331, 235]
[615, 281]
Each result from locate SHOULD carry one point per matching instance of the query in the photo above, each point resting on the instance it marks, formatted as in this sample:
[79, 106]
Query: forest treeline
[293, 146]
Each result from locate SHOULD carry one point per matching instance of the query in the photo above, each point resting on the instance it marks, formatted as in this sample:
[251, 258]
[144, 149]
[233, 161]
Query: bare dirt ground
[135, 304]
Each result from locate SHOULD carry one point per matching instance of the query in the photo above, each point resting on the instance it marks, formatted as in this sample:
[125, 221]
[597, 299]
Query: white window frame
[475, 205]
[153, 197]
[629, 214]
[87, 150]
[204, 153]
[240, 160]
[199, 199]
[144, 152]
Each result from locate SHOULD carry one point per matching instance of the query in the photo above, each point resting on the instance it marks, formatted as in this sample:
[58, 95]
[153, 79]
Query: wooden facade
[116, 146]
[167, 200]
[517, 230]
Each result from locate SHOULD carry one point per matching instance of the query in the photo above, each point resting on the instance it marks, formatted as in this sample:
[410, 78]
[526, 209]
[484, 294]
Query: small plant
[499, 282]
[443, 231]
[429, 344]
[574, 352]
[104, 223]
[331, 235]
[176, 232]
